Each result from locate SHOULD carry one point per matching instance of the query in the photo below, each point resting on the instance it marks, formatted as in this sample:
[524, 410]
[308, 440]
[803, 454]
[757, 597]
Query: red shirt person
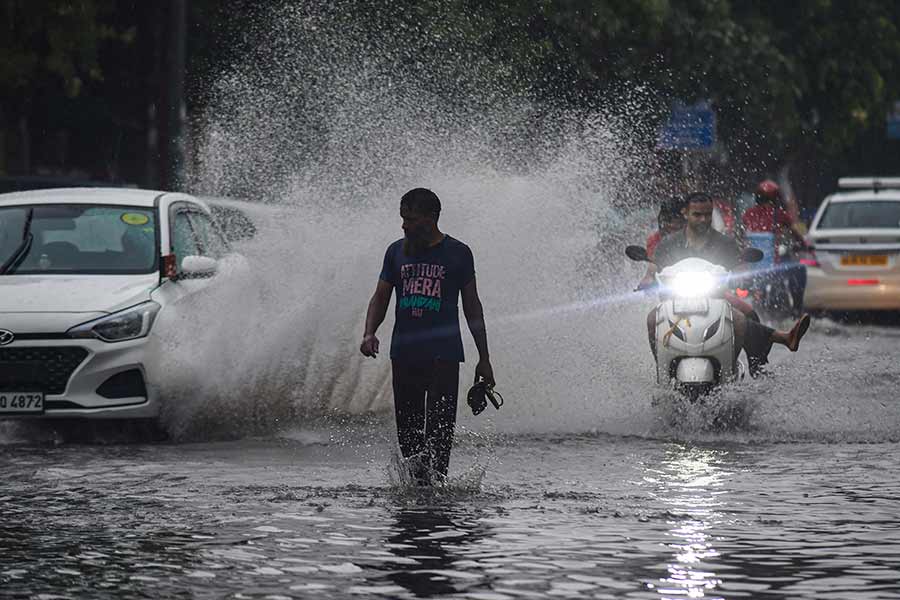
[653, 241]
[776, 226]
[767, 216]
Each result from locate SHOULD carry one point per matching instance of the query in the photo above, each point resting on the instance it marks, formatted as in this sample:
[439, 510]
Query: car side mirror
[751, 255]
[198, 267]
[637, 253]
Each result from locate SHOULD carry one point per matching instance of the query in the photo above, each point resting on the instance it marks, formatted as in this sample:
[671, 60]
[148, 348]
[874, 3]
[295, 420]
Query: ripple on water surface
[589, 516]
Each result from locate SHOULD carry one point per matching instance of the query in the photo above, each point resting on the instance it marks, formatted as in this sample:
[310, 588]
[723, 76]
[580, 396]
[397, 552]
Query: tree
[48, 48]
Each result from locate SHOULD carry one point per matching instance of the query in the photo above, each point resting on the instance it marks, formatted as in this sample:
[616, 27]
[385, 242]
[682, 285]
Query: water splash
[328, 119]
[464, 484]
[336, 135]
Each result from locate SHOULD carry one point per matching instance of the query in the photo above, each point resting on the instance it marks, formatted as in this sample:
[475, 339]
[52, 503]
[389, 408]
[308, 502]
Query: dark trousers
[757, 343]
[797, 283]
[425, 396]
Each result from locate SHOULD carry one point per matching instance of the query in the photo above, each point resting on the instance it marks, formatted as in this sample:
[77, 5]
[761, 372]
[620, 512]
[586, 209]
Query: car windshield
[867, 214]
[78, 239]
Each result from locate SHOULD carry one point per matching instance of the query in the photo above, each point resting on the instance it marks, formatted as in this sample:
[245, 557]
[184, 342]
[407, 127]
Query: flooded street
[765, 510]
[554, 143]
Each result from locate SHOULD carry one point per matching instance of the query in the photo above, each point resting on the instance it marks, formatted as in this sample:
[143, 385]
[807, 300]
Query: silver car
[854, 263]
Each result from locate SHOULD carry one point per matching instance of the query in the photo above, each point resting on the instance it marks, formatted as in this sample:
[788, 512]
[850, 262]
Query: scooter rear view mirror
[637, 253]
[751, 255]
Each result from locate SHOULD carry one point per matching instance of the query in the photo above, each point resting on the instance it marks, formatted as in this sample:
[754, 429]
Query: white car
[84, 274]
[855, 237]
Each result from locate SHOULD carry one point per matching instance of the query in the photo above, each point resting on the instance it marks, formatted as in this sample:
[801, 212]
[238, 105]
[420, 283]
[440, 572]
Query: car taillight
[810, 259]
[863, 282]
[169, 266]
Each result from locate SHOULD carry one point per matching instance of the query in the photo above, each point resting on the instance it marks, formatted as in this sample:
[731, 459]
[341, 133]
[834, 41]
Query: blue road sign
[689, 128]
[893, 123]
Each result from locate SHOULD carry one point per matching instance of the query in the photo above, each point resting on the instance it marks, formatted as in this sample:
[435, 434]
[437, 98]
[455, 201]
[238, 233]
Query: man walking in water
[429, 271]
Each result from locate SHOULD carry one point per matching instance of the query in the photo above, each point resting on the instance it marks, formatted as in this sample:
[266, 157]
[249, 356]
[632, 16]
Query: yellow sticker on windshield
[135, 219]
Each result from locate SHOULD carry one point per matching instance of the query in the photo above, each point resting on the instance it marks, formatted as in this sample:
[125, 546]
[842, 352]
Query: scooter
[771, 291]
[695, 342]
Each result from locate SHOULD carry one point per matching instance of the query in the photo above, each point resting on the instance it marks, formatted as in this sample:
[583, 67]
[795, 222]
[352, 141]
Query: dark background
[105, 90]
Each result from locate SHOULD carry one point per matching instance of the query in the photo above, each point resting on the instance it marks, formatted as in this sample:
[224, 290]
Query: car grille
[41, 369]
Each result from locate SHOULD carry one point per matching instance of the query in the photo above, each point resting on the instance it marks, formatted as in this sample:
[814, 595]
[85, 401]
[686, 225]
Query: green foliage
[53, 44]
[781, 74]
[784, 77]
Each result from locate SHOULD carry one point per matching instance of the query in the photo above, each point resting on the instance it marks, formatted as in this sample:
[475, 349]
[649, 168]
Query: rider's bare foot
[797, 332]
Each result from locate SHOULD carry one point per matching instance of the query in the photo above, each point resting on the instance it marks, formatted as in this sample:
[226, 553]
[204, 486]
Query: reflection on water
[427, 542]
[690, 483]
[573, 517]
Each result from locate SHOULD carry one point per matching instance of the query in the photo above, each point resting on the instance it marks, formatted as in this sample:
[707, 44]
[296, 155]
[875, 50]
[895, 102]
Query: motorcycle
[772, 294]
[695, 342]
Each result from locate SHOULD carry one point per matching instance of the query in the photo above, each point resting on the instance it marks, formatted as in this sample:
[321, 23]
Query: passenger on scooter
[670, 220]
[768, 217]
[699, 240]
[769, 214]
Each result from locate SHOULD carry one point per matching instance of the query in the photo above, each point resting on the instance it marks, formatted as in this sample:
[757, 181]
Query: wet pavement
[310, 515]
[797, 495]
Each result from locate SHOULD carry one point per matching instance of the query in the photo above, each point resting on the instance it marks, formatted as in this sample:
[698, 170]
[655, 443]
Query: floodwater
[760, 510]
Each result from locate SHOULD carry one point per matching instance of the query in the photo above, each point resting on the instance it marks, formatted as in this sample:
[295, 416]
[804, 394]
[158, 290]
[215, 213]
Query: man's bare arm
[474, 313]
[378, 306]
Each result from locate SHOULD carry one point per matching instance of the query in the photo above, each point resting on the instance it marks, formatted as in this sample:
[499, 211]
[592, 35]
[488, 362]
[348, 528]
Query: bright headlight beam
[692, 285]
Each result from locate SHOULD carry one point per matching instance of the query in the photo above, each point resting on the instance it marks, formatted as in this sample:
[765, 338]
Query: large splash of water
[334, 123]
[332, 115]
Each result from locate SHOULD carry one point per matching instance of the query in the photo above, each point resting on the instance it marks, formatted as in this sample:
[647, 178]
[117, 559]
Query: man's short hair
[700, 197]
[422, 201]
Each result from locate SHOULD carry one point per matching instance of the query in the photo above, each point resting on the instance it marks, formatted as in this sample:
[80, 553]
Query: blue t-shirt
[427, 291]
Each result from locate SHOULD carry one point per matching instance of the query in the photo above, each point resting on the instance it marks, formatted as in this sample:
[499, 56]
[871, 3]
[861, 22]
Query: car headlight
[693, 285]
[128, 324]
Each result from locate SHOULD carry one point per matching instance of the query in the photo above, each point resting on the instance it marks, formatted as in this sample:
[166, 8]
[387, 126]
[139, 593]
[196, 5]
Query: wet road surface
[800, 500]
[577, 517]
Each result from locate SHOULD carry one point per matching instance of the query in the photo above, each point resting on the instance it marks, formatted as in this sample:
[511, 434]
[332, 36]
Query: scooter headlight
[128, 324]
[693, 285]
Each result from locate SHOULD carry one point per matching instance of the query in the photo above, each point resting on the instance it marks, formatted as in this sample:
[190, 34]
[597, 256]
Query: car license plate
[690, 306]
[21, 402]
[864, 260]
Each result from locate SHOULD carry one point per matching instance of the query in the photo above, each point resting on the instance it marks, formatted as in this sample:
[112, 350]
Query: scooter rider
[698, 239]
[768, 216]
